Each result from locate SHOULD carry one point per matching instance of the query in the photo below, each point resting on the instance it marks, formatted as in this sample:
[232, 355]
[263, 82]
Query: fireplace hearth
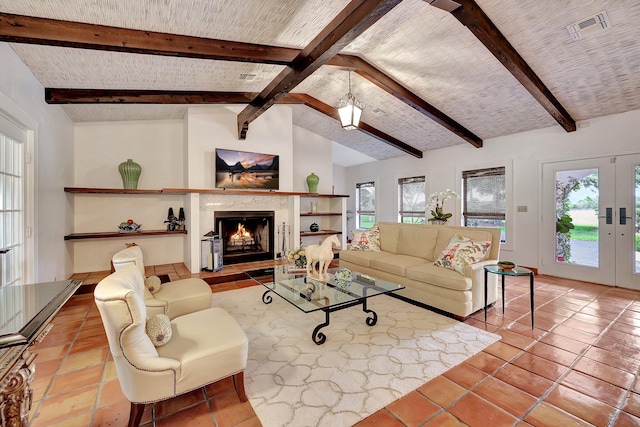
[245, 235]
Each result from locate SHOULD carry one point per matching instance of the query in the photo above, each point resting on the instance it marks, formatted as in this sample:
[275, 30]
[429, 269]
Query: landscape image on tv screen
[244, 170]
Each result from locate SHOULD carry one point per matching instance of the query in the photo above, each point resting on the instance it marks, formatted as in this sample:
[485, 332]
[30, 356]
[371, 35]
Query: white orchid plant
[436, 205]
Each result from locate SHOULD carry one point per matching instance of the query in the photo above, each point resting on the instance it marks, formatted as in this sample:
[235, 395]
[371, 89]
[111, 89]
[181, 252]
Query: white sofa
[407, 254]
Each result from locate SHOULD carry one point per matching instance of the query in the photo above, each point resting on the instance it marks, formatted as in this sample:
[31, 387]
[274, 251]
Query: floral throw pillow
[366, 240]
[461, 252]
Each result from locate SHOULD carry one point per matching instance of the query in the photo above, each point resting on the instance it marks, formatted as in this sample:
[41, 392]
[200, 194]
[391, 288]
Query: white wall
[100, 147]
[601, 137]
[209, 128]
[312, 153]
[22, 98]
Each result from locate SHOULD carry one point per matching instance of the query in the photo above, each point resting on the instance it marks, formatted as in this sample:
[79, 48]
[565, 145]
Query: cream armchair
[205, 346]
[174, 298]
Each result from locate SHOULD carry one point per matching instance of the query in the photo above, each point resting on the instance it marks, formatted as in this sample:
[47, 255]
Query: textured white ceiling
[422, 47]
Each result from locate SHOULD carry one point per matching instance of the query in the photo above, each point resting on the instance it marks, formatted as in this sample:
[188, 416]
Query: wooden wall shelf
[115, 234]
[321, 214]
[319, 233]
[84, 190]
[87, 190]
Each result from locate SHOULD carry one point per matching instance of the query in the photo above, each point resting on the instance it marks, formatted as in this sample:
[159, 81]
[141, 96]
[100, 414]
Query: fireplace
[245, 235]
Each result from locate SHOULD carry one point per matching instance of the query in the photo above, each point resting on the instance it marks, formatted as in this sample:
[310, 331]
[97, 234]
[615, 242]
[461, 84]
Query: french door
[12, 202]
[590, 221]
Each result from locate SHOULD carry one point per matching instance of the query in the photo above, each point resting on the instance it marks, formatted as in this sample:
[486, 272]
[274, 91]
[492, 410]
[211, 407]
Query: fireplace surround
[245, 235]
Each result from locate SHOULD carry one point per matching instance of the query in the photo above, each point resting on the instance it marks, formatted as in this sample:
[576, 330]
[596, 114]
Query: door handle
[608, 216]
[623, 216]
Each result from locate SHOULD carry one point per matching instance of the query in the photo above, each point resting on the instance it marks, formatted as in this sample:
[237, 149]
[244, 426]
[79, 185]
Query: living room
[178, 152]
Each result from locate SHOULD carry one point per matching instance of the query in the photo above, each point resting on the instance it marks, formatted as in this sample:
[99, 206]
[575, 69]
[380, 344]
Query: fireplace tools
[284, 234]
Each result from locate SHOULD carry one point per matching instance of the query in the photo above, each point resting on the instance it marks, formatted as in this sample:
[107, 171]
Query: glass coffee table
[310, 295]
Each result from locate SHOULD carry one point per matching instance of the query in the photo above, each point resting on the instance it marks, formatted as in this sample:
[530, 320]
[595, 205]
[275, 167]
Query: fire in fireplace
[245, 235]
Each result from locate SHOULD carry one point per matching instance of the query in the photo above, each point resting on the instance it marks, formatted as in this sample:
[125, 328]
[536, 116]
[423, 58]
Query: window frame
[359, 212]
[507, 164]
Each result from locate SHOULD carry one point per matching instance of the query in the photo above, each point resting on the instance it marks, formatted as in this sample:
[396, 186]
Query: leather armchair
[205, 346]
[174, 298]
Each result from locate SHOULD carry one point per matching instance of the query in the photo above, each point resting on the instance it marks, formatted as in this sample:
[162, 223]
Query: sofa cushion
[389, 237]
[362, 258]
[396, 264]
[365, 240]
[418, 241]
[442, 277]
[461, 252]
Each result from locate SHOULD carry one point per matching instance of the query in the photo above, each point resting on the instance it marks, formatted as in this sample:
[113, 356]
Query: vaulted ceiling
[432, 73]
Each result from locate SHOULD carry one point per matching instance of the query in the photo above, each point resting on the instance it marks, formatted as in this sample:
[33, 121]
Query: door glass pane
[577, 196]
[637, 220]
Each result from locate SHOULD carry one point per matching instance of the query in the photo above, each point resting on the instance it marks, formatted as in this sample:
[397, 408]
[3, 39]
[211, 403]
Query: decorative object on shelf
[436, 206]
[350, 110]
[321, 254]
[129, 226]
[314, 227]
[507, 265]
[344, 277]
[298, 257]
[313, 207]
[171, 221]
[181, 219]
[130, 172]
[312, 182]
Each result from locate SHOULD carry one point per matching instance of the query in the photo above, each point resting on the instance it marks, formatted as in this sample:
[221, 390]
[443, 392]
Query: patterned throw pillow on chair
[461, 252]
[152, 283]
[366, 240]
[159, 329]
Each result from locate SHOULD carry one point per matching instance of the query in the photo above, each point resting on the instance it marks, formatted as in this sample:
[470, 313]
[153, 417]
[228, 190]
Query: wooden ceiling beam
[352, 21]
[120, 96]
[328, 110]
[472, 17]
[52, 32]
[391, 86]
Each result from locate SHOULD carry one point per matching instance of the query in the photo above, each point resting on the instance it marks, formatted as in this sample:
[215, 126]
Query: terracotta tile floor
[578, 367]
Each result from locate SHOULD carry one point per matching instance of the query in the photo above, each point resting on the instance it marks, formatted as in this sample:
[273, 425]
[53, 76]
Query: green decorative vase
[130, 172]
[312, 182]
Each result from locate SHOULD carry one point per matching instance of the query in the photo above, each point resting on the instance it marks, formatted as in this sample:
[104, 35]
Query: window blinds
[484, 193]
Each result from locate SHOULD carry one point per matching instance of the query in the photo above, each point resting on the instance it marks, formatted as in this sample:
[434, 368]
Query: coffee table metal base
[319, 337]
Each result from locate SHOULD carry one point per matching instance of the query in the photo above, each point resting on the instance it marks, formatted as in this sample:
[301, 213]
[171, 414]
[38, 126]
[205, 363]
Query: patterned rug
[291, 381]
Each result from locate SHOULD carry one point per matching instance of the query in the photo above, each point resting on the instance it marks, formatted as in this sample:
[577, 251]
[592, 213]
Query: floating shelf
[319, 233]
[115, 234]
[82, 190]
[87, 190]
[321, 214]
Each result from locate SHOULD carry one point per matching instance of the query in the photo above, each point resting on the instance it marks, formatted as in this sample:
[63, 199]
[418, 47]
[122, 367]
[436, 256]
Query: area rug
[291, 381]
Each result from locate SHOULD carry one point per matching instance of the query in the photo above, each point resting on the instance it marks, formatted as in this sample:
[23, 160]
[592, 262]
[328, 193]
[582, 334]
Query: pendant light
[350, 110]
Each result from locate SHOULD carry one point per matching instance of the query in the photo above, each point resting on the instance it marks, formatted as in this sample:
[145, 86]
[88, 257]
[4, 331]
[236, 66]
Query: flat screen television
[246, 170]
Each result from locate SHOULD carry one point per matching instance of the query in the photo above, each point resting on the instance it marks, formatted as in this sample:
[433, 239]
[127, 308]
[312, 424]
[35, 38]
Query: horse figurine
[322, 254]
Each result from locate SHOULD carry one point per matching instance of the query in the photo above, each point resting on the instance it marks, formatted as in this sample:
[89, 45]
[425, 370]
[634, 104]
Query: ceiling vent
[245, 76]
[589, 26]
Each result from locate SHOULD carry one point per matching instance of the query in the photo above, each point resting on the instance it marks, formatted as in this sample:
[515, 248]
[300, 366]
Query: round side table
[517, 271]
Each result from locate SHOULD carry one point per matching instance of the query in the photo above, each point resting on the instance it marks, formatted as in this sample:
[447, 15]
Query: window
[411, 200]
[365, 204]
[484, 198]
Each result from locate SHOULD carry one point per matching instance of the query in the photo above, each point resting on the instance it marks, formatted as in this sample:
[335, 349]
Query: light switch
[522, 208]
